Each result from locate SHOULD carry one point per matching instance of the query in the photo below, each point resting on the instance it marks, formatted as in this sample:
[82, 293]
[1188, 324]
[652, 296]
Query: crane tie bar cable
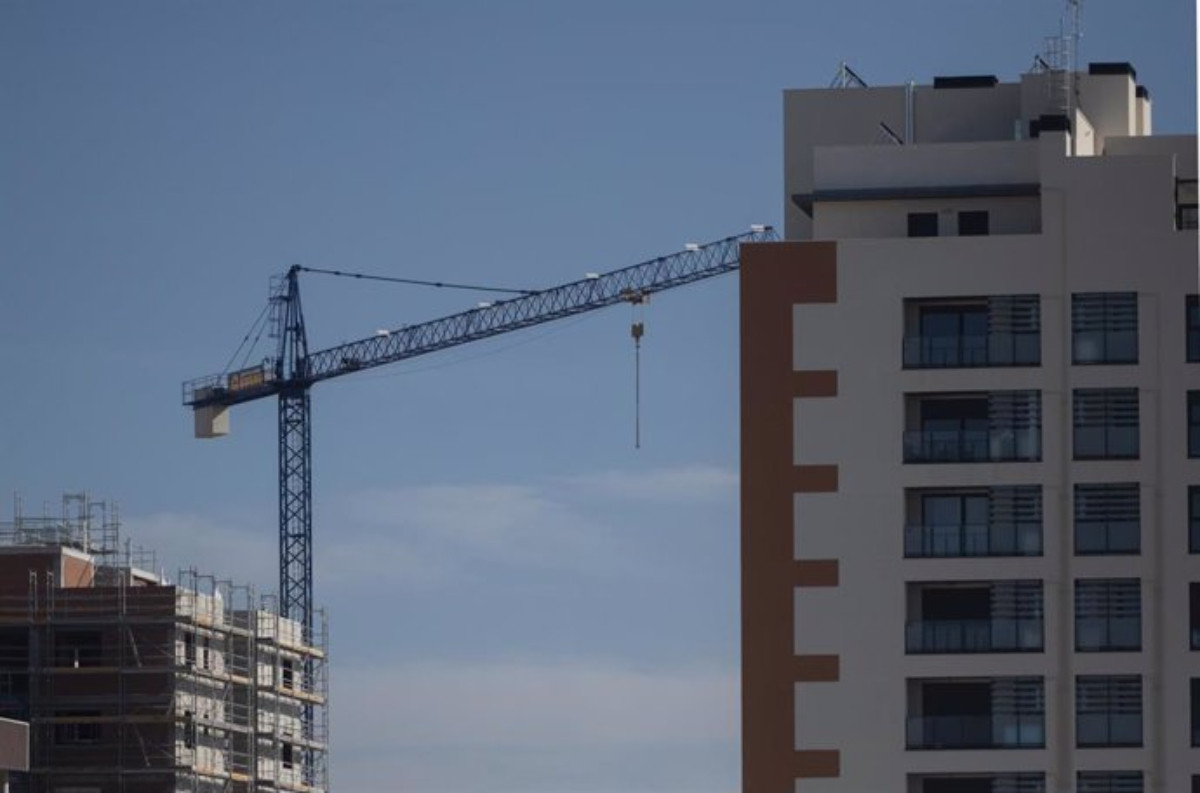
[420, 282]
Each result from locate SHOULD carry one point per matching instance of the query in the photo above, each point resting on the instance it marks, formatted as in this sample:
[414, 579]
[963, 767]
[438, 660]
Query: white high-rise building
[971, 445]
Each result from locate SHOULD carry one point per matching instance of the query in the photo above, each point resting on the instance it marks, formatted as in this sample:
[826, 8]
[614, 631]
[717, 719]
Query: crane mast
[293, 371]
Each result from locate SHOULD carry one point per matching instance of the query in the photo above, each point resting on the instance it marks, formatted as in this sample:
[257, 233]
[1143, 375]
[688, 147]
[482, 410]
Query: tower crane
[292, 372]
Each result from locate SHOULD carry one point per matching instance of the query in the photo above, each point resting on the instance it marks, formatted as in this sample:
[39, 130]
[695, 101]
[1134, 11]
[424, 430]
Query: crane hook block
[637, 331]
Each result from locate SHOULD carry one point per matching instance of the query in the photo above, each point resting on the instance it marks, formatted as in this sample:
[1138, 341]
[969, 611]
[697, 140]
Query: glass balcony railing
[963, 351]
[974, 636]
[973, 446]
[983, 731]
[940, 540]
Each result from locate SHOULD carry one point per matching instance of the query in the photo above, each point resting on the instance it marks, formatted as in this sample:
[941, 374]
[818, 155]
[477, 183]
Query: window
[1185, 204]
[288, 670]
[1106, 423]
[1000, 330]
[973, 223]
[997, 426]
[1194, 614]
[1108, 782]
[974, 617]
[1108, 710]
[1195, 711]
[1194, 519]
[1104, 327]
[1108, 614]
[1107, 519]
[1001, 712]
[189, 649]
[978, 783]
[951, 335]
[86, 730]
[956, 522]
[287, 753]
[189, 730]
[1193, 329]
[75, 649]
[1193, 416]
[922, 224]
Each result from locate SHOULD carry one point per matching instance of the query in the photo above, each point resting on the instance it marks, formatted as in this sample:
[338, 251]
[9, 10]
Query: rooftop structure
[135, 684]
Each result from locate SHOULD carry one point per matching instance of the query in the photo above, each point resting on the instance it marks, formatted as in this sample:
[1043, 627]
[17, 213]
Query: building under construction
[136, 684]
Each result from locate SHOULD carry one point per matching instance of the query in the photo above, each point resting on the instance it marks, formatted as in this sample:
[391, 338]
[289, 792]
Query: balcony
[974, 617]
[973, 427]
[950, 333]
[973, 521]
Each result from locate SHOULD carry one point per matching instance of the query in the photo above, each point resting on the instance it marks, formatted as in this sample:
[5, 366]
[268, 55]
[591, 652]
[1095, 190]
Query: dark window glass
[1185, 204]
[1109, 782]
[1108, 614]
[1108, 710]
[1194, 614]
[84, 731]
[1193, 329]
[1194, 519]
[984, 783]
[1195, 711]
[1104, 327]
[1107, 519]
[1106, 423]
[922, 224]
[1193, 416]
[75, 649]
[972, 224]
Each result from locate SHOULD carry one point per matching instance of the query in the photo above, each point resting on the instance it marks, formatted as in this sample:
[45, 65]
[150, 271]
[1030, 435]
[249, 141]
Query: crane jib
[696, 263]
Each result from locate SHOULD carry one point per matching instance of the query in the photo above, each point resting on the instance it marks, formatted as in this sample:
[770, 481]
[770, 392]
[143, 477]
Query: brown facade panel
[818, 763]
[816, 572]
[818, 668]
[815, 383]
[774, 278]
[815, 479]
[806, 270]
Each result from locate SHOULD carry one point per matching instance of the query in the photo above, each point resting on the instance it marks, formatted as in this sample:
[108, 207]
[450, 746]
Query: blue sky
[520, 599]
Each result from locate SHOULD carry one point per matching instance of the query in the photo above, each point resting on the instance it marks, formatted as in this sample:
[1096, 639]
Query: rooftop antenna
[847, 78]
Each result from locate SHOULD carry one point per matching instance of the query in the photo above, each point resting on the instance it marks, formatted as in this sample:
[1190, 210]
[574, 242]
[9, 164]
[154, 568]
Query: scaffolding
[132, 684]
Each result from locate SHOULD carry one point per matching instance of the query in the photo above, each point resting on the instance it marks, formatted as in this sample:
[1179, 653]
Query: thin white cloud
[685, 484]
[438, 535]
[588, 705]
